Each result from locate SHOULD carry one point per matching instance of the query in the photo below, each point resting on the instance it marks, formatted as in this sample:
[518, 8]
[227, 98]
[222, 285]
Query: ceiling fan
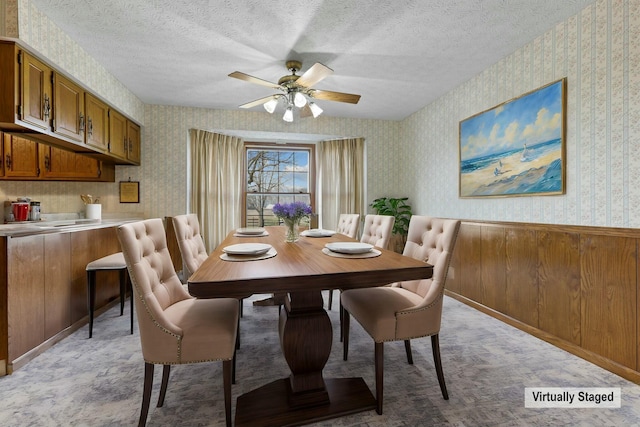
[297, 91]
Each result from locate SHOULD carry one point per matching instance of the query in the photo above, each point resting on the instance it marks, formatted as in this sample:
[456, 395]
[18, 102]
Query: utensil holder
[93, 211]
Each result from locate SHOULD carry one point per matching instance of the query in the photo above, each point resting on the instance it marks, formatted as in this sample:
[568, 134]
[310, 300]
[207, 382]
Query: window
[276, 174]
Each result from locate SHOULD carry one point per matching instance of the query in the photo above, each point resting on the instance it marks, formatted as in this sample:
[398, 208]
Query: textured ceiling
[399, 55]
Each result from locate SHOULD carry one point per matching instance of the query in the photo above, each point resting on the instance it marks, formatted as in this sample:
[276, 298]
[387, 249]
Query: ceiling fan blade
[306, 111]
[258, 101]
[328, 95]
[251, 79]
[314, 74]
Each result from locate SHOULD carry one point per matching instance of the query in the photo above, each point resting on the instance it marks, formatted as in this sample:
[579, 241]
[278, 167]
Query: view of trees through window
[275, 175]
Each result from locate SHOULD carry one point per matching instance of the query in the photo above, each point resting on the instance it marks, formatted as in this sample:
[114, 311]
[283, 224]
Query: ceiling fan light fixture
[315, 109]
[271, 105]
[288, 115]
[299, 100]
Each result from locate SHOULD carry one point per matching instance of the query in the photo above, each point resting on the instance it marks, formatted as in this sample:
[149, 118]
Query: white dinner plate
[318, 232]
[247, 249]
[250, 231]
[349, 247]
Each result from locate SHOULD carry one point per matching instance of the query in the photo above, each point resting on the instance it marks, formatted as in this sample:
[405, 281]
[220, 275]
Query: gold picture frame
[516, 148]
[129, 191]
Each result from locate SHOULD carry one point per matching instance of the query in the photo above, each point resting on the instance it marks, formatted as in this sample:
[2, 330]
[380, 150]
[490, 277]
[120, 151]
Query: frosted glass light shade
[299, 100]
[315, 110]
[270, 105]
[288, 115]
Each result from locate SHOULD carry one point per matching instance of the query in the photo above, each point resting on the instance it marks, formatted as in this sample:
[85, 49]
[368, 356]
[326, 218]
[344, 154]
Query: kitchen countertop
[30, 228]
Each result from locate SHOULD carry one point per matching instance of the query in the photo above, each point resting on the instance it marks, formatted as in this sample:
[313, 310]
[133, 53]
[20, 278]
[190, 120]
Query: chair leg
[346, 317]
[233, 370]
[435, 346]
[166, 370]
[131, 298]
[330, 303]
[241, 307]
[226, 379]
[123, 288]
[341, 311]
[379, 362]
[238, 334]
[407, 347]
[91, 298]
[146, 393]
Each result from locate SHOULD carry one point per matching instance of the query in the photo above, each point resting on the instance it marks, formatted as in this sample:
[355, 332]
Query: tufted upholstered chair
[348, 225]
[175, 328]
[190, 243]
[406, 310]
[377, 230]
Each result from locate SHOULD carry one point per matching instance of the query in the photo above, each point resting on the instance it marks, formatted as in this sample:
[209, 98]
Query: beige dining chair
[376, 231]
[175, 328]
[191, 245]
[406, 310]
[348, 225]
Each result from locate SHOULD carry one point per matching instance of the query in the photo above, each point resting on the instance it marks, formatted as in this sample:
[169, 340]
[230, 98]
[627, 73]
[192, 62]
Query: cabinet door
[133, 142]
[87, 167]
[57, 287]
[36, 91]
[56, 163]
[117, 134]
[25, 294]
[20, 157]
[97, 123]
[68, 108]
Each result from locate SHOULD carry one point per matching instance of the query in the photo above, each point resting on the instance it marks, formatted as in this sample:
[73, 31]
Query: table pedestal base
[269, 404]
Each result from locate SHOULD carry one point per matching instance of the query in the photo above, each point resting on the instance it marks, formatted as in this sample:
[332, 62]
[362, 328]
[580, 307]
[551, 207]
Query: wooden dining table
[301, 270]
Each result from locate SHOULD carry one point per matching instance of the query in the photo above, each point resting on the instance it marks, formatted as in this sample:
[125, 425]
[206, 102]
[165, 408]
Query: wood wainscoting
[575, 287]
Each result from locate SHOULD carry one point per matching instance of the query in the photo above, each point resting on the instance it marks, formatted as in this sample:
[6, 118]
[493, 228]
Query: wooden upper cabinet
[97, 123]
[117, 134]
[41, 103]
[56, 163]
[20, 158]
[124, 137]
[133, 142]
[68, 109]
[36, 100]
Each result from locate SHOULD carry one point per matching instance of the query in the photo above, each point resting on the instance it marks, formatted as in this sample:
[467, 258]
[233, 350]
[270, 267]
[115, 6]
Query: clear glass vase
[293, 232]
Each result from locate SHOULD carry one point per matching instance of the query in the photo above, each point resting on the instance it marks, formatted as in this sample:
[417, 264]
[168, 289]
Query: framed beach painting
[516, 148]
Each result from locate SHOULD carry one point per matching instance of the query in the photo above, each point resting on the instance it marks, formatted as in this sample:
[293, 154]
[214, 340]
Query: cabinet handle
[81, 123]
[46, 107]
[90, 126]
[47, 163]
[8, 162]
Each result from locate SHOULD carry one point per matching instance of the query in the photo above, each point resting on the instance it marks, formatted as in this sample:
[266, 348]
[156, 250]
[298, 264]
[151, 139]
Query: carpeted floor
[487, 365]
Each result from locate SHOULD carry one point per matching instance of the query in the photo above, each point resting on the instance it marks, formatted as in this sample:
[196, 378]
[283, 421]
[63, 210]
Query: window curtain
[341, 172]
[216, 183]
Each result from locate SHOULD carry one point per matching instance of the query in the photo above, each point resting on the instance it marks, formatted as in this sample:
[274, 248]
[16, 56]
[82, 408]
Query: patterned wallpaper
[598, 53]
[418, 157]
[165, 148]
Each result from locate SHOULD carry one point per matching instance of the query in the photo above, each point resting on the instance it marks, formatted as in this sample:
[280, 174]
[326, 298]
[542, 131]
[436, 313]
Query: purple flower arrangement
[292, 211]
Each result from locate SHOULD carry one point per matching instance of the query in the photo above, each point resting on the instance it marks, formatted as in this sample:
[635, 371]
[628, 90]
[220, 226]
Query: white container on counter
[93, 211]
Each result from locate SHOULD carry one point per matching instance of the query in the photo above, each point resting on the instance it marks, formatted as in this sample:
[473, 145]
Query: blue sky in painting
[530, 119]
